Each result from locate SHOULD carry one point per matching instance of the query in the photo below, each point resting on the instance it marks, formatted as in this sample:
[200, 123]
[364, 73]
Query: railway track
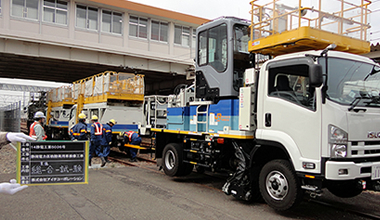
[121, 157]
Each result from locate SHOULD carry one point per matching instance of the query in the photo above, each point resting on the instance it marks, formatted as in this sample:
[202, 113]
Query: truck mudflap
[239, 184]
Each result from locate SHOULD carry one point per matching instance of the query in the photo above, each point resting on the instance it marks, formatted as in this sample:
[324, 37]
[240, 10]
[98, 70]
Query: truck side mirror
[315, 75]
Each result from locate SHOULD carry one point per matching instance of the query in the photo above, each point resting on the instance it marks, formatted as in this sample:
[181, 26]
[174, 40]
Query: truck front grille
[364, 148]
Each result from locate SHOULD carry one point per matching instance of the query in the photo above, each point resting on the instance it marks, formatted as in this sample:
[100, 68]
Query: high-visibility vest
[98, 128]
[130, 133]
[32, 132]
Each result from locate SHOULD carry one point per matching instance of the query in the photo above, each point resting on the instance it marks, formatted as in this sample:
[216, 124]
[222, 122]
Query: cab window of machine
[291, 83]
[241, 54]
[94, 112]
[213, 47]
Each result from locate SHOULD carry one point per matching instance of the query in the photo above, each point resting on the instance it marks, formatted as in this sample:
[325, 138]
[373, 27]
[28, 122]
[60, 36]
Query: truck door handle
[268, 120]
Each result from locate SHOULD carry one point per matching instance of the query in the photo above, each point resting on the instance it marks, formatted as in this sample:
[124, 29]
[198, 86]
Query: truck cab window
[291, 83]
[217, 47]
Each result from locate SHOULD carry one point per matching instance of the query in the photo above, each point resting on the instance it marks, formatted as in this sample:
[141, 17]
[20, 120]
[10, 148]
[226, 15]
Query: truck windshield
[353, 82]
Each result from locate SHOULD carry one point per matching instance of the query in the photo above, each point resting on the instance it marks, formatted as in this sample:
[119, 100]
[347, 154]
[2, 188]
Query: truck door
[290, 113]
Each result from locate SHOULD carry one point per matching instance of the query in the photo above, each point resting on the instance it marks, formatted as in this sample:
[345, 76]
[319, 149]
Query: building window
[0, 7]
[159, 31]
[55, 11]
[193, 43]
[25, 9]
[138, 27]
[87, 17]
[182, 35]
[112, 22]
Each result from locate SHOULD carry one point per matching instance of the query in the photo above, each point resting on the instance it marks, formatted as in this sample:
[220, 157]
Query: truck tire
[173, 161]
[279, 185]
[345, 189]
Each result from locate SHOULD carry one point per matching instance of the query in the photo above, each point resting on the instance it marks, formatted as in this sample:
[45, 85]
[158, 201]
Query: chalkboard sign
[52, 162]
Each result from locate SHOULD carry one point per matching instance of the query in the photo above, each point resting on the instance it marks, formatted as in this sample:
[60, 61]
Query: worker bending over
[36, 129]
[79, 131]
[107, 138]
[132, 138]
[96, 139]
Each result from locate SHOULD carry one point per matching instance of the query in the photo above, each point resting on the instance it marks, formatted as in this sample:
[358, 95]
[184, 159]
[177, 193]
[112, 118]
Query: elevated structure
[68, 40]
[24, 88]
[279, 28]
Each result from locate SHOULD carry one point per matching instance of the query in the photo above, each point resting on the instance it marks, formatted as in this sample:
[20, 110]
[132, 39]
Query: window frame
[138, 27]
[182, 33]
[275, 71]
[112, 22]
[194, 38]
[55, 8]
[207, 31]
[24, 12]
[159, 31]
[86, 19]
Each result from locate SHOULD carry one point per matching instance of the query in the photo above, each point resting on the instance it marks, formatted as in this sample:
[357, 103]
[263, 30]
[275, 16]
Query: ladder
[202, 111]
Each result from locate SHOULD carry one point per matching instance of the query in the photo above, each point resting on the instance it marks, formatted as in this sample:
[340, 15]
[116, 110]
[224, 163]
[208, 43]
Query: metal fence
[10, 117]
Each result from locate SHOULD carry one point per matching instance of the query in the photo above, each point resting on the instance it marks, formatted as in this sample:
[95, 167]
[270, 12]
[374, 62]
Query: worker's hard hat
[112, 121]
[39, 115]
[94, 117]
[82, 116]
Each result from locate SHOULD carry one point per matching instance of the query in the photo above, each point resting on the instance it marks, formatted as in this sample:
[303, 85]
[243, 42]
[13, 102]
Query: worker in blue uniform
[107, 138]
[79, 131]
[96, 139]
[132, 138]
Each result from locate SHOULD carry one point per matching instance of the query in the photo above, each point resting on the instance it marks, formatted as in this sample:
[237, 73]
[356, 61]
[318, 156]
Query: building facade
[104, 33]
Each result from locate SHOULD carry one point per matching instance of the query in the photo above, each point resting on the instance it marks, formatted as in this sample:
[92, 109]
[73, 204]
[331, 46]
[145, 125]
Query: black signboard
[52, 162]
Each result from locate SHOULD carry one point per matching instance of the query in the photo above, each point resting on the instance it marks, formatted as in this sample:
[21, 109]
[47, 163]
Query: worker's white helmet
[39, 115]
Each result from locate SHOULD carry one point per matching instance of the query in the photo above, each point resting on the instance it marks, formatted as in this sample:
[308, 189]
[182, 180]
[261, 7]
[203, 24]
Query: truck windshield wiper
[357, 100]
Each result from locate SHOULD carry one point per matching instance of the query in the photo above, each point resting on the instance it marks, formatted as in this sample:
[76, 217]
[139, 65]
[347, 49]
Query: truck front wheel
[279, 185]
[173, 161]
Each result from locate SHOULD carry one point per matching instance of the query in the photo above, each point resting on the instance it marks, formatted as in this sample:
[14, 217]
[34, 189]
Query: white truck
[286, 128]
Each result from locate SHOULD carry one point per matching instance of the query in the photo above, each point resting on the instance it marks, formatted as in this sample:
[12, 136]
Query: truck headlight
[338, 140]
[338, 150]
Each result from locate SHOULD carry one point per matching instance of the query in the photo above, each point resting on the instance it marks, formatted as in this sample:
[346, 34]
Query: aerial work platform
[309, 25]
[110, 86]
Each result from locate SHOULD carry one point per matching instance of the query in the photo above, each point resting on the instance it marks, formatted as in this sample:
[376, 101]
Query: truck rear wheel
[345, 189]
[279, 185]
[173, 161]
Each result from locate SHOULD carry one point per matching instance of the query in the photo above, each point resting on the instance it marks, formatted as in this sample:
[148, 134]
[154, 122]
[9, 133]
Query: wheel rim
[277, 185]
[170, 160]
